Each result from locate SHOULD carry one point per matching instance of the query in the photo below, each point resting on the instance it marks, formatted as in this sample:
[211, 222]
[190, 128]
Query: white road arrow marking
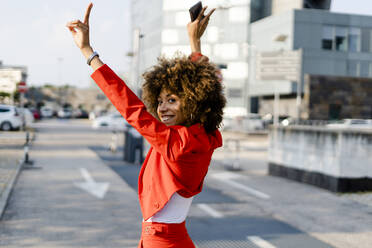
[92, 187]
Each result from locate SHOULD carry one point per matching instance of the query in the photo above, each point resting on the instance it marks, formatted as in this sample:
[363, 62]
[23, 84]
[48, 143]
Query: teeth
[166, 118]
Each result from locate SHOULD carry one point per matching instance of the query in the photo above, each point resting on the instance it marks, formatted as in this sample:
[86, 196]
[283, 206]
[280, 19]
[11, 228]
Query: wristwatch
[91, 57]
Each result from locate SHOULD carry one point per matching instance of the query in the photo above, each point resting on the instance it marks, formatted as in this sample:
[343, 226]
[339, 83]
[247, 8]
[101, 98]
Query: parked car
[113, 121]
[36, 113]
[352, 123]
[10, 118]
[64, 113]
[46, 112]
[245, 123]
[80, 114]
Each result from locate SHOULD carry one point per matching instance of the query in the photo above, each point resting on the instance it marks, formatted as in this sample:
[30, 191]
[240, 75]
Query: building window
[234, 93]
[327, 39]
[212, 34]
[354, 40]
[227, 50]
[353, 69]
[340, 38]
[169, 36]
[182, 18]
[370, 70]
[238, 14]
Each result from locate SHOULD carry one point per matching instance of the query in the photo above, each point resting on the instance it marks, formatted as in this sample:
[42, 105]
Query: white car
[64, 113]
[112, 121]
[10, 118]
[352, 124]
[248, 123]
[46, 112]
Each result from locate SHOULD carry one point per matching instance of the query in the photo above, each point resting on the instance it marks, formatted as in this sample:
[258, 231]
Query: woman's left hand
[196, 28]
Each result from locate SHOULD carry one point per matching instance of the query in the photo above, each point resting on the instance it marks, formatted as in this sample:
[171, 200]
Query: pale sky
[33, 34]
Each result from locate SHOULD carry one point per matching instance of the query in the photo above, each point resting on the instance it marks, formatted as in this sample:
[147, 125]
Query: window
[370, 70]
[234, 93]
[334, 111]
[212, 34]
[340, 38]
[182, 18]
[353, 68]
[227, 50]
[354, 40]
[327, 41]
[169, 36]
[2, 110]
[238, 14]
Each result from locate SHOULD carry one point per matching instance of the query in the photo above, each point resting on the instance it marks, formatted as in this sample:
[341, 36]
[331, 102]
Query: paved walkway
[11, 155]
[59, 213]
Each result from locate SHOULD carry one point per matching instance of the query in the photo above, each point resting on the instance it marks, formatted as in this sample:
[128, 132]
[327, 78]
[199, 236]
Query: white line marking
[260, 242]
[259, 194]
[210, 210]
[251, 191]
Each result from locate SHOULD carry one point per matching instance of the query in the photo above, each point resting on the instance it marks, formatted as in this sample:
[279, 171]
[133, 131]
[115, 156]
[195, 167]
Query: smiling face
[169, 109]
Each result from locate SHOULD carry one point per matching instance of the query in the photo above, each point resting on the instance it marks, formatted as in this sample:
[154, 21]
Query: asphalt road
[245, 208]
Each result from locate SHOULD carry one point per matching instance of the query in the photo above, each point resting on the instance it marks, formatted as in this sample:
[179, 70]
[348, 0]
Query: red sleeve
[196, 57]
[169, 141]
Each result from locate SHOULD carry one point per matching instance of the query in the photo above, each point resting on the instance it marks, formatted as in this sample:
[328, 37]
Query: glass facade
[327, 39]
[341, 38]
[354, 39]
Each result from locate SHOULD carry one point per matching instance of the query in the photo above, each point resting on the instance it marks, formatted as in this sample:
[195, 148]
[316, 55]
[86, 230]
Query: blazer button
[156, 205]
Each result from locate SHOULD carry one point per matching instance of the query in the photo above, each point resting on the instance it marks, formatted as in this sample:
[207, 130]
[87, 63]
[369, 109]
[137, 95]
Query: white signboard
[279, 65]
[9, 79]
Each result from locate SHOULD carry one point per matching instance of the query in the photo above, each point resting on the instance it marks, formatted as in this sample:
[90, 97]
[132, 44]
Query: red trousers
[163, 235]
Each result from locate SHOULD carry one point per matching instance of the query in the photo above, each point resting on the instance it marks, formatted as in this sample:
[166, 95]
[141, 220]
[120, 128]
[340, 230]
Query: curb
[9, 188]
[4, 198]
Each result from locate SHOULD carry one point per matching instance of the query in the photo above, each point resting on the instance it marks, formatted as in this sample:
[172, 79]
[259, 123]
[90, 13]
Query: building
[268, 46]
[10, 76]
[331, 44]
[162, 28]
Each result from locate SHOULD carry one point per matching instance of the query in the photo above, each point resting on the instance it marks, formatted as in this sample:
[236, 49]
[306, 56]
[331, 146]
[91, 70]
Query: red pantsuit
[177, 161]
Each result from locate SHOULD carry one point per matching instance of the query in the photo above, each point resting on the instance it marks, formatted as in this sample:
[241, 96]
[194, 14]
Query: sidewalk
[48, 209]
[11, 156]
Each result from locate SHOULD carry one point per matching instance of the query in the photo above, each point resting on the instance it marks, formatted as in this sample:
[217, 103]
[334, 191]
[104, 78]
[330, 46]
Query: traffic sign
[22, 87]
[279, 65]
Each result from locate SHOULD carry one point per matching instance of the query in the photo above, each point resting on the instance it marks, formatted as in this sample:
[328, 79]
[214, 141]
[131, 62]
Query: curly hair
[195, 83]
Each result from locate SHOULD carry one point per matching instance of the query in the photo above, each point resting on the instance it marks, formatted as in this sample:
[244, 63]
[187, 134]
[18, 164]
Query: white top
[175, 211]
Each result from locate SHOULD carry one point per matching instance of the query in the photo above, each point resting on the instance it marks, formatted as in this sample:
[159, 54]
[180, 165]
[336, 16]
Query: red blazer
[179, 156]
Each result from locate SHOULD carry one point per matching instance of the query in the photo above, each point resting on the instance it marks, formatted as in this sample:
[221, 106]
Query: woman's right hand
[80, 30]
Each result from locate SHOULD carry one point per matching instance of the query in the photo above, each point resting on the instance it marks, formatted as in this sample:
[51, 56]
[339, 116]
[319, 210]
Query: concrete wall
[318, 155]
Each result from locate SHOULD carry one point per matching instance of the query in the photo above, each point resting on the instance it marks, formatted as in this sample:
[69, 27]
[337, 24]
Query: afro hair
[196, 83]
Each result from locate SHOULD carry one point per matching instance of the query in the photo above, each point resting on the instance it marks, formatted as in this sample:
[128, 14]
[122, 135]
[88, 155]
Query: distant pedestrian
[184, 103]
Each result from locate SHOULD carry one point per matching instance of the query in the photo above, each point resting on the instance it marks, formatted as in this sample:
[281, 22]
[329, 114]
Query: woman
[184, 109]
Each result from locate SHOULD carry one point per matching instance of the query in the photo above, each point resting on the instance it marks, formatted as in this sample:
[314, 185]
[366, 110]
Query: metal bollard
[114, 142]
[26, 160]
[235, 165]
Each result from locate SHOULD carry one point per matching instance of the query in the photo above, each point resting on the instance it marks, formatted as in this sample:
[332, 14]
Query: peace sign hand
[80, 30]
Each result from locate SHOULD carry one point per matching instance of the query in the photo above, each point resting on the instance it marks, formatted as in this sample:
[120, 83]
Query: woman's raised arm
[196, 29]
[80, 33]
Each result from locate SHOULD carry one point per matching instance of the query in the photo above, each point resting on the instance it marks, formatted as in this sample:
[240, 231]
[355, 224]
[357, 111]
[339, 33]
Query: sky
[33, 34]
